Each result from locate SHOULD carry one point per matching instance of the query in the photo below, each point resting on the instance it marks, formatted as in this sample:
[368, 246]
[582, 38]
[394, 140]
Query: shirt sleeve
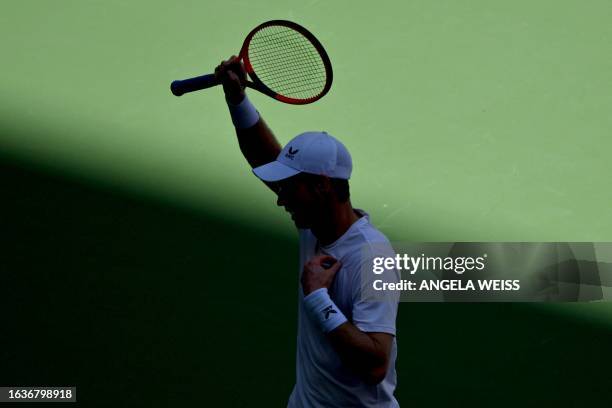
[374, 310]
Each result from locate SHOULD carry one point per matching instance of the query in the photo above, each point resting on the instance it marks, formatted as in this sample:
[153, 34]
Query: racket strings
[284, 48]
[287, 62]
[287, 68]
[299, 86]
[296, 74]
[283, 44]
[281, 65]
[282, 39]
[307, 61]
[272, 77]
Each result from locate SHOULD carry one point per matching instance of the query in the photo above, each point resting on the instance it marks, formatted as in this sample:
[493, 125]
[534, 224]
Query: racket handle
[184, 86]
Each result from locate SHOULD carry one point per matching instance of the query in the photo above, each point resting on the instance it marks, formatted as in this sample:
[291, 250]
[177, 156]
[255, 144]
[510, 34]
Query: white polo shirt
[322, 380]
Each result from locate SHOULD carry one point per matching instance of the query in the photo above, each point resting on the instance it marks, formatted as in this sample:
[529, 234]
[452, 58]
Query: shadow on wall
[141, 304]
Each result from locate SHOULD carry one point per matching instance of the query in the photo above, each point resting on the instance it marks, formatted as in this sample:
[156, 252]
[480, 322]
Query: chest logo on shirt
[329, 309]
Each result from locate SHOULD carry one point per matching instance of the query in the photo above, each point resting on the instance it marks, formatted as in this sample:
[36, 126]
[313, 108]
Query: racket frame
[258, 85]
[180, 87]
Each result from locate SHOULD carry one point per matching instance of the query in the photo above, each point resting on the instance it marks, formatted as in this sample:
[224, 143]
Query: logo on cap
[291, 153]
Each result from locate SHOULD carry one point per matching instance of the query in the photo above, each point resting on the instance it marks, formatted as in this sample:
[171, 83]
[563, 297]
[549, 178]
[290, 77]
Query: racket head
[287, 62]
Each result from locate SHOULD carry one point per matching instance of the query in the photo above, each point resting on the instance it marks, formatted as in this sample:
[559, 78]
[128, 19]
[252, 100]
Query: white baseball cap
[309, 152]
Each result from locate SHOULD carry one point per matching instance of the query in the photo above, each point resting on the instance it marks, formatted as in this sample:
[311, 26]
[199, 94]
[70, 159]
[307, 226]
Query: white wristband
[323, 311]
[244, 115]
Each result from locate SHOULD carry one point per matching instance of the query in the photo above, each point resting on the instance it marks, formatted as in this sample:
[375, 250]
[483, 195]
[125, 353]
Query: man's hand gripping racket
[282, 59]
[232, 75]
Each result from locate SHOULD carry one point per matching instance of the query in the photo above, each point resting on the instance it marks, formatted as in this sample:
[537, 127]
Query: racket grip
[184, 86]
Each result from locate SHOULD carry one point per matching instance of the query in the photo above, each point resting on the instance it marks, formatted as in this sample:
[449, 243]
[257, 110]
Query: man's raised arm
[256, 140]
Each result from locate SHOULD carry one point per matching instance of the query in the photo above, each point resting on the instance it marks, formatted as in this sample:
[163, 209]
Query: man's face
[300, 198]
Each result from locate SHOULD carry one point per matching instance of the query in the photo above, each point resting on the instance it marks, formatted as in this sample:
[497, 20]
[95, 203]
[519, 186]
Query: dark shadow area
[141, 304]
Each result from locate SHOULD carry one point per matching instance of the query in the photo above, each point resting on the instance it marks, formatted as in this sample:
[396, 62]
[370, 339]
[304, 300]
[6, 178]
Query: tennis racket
[282, 59]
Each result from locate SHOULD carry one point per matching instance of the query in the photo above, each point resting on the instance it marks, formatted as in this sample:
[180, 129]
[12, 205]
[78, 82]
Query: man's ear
[324, 186]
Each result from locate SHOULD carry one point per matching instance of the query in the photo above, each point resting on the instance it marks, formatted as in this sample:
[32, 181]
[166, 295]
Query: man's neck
[334, 224]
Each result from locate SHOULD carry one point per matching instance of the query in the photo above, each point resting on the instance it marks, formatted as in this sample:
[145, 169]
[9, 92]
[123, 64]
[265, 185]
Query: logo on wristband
[329, 309]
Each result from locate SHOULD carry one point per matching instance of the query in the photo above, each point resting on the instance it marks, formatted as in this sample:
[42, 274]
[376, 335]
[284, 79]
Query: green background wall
[143, 263]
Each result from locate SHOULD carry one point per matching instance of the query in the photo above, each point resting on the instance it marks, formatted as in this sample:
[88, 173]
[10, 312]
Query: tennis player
[346, 346]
